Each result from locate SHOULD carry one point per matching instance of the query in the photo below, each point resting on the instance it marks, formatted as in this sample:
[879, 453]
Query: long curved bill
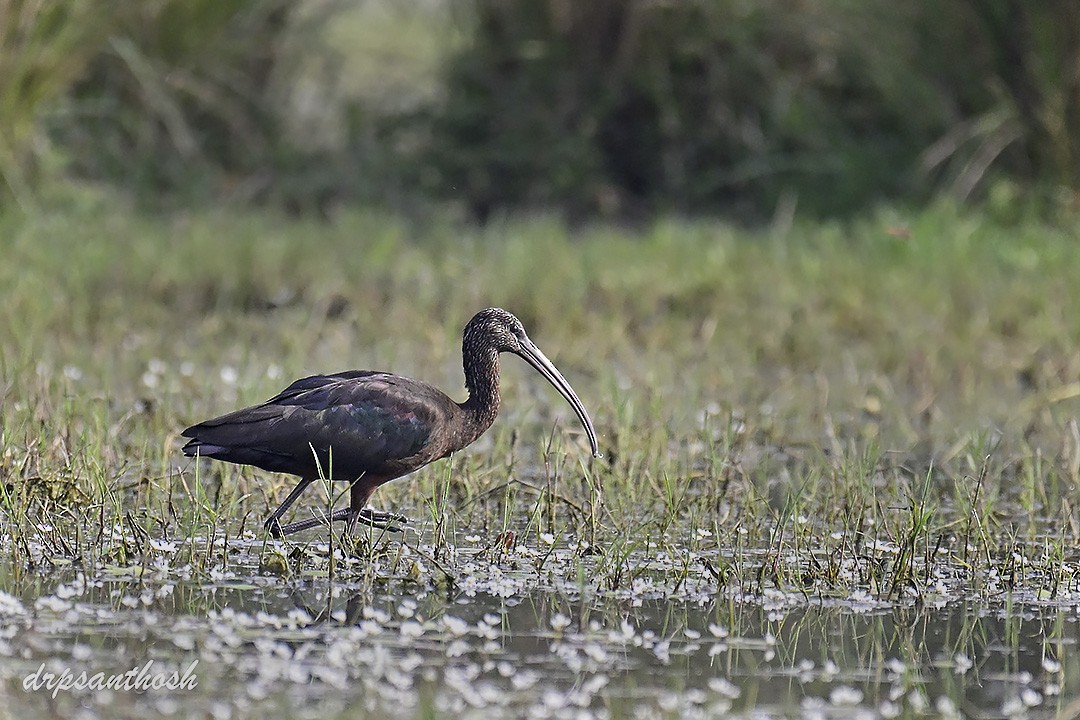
[532, 355]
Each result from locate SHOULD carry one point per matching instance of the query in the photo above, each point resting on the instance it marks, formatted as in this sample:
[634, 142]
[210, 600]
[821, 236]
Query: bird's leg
[355, 513]
[374, 517]
[271, 523]
[367, 516]
[345, 514]
[358, 497]
[381, 519]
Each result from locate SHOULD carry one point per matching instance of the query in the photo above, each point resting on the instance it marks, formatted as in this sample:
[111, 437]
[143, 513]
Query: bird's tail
[198, 447]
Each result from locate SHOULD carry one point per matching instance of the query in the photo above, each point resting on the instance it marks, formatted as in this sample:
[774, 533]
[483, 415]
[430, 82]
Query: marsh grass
[885, 406]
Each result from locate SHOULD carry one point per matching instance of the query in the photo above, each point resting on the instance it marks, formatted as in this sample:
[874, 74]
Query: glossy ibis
[368, 427]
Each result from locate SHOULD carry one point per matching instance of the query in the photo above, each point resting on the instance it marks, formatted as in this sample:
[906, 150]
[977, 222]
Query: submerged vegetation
[880, 417]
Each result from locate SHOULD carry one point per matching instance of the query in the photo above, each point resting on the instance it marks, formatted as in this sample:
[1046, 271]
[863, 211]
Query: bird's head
[495, 330]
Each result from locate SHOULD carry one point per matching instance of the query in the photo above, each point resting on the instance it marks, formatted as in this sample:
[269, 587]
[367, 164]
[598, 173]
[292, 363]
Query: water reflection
[294, 648]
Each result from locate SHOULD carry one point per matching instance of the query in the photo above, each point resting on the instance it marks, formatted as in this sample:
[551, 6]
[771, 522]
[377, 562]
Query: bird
[369, 427]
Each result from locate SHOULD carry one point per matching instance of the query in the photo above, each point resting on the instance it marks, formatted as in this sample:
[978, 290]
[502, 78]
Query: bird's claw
[273, 526]
[378, 519]
[382, 520]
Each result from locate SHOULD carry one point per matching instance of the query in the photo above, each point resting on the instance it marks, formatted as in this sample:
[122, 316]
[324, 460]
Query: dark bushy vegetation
[172, 100]
[720, 105]
[43, 49]
[181, 95]
[611, 107]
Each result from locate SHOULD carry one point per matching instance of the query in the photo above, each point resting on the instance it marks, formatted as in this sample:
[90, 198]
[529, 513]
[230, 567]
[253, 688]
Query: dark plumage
[368, 427]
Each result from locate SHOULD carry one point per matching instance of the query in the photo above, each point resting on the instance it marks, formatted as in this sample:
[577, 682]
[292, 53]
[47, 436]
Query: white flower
[845, 695]
[455, 626]
[724, 688]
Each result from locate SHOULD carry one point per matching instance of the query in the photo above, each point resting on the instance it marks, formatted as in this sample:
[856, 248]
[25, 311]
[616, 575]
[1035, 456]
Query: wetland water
[392, 638]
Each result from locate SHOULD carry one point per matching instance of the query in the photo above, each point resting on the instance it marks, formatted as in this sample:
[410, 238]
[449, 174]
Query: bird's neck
[482, 380]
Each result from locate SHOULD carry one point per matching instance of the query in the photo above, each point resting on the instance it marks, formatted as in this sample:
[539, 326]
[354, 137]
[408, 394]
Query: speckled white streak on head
[493, 327]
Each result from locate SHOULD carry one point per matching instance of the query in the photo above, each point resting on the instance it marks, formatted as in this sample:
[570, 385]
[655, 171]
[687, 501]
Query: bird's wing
[317, 381]
[355, 422]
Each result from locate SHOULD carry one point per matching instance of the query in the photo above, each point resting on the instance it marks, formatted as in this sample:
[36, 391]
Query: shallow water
[393, 638]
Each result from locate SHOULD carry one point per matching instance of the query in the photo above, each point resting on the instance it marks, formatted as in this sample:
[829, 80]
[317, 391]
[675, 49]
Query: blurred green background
[611, 109]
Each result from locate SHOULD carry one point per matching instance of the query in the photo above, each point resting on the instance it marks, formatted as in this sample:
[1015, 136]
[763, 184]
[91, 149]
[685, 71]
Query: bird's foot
[391, 522]
[279, 531]
[382, 520]
[274, 527]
